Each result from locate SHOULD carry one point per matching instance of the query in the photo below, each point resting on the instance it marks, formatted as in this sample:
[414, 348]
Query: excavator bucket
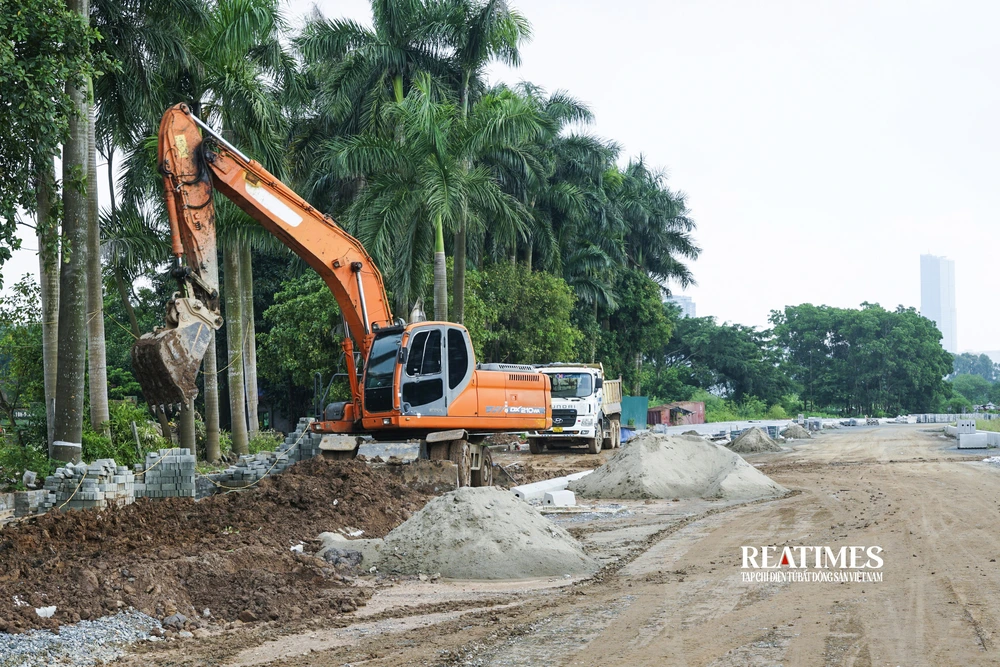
[166, 362]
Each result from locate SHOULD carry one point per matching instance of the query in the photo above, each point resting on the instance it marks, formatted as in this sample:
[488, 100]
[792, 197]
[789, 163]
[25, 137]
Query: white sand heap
[796, 431]
[479, 533]
[661, 466]
[754, 440]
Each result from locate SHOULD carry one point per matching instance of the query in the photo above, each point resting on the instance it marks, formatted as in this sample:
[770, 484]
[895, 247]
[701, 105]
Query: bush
[266, 441]
[121, 444]
[777, 412]
[15, 459]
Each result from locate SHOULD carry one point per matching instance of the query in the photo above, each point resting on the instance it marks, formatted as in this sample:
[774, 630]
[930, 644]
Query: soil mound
[752, 441]
[482, 533]
[660, 466]
[692, 432]
[228, 553]
[796, 431]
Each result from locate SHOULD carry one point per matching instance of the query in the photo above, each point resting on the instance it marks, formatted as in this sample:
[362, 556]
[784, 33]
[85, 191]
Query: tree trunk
[210, 366]
[185, 428]
[234, 337]
[97, 364]
[440, 275]
[127, 303]
[72, 355]
[120, 281]
[458, 274]
[529, 251]
[48, 269]
[250, 346]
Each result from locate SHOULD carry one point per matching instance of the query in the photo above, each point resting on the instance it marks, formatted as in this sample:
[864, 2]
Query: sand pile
[752, 441]
[796, 431]
[660, 466]
[479, 533]
[691, 432]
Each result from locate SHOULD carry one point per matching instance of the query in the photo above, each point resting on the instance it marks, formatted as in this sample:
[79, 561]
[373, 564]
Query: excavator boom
[166, 361]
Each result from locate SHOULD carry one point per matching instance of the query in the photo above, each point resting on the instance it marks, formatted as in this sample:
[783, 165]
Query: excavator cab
[418, 371]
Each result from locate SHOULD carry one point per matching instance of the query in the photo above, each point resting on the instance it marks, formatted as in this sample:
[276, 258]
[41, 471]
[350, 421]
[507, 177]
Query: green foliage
[982, 366]
[21, 369]
[45, 46]
[988, 425]
[15, 459]
[731, 360]
[776, 412]
[300, 341]
[863, 361]
[120, 444]
[637, 327]
[266, 441]
[525, 316]
[974, 388]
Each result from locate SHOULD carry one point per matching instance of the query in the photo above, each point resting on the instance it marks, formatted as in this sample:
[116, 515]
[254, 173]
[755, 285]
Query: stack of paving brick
[28, 503]
[168, 473]
[252, 468]
[298, 446]
[83, 486]
[301, 447]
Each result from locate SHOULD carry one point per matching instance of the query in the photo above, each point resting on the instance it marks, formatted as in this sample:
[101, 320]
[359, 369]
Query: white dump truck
[586, 409]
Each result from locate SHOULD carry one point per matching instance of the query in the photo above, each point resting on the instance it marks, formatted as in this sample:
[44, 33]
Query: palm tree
[97, 365]
[477, 33]
[658, 229]
[350, 72]
[418, 183]
[48, 270]
[72, 345]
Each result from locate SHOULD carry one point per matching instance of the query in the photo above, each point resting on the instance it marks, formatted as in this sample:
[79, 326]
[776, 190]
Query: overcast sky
[823, 146]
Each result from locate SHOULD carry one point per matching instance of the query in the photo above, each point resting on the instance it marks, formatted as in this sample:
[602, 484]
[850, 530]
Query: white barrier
[537, 490]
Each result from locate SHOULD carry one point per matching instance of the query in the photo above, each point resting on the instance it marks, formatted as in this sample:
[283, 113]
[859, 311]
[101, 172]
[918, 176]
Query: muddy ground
[670, 592]
[230, 554]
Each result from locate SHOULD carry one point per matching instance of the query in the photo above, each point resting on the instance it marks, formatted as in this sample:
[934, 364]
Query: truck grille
[565, 418]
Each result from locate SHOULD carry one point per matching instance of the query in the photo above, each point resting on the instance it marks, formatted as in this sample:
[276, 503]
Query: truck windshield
[571, 385]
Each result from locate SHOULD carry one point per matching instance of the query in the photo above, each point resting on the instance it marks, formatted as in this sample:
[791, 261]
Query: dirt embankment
[229, 553]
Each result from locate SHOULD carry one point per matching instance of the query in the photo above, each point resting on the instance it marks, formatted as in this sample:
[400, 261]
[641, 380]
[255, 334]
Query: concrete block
[564, 498]
[972, 441]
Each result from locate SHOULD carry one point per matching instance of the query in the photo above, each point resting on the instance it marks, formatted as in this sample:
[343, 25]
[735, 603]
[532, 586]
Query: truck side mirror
[599, 383]
[404, 352]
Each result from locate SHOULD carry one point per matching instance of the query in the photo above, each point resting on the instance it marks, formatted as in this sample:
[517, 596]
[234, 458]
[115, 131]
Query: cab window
[458, 358]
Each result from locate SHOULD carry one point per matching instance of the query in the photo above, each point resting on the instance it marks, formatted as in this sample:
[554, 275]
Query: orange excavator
[416, 381]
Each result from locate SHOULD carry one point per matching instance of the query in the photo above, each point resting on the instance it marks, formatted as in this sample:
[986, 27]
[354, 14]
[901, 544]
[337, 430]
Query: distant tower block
[937, 297]
[685, 303]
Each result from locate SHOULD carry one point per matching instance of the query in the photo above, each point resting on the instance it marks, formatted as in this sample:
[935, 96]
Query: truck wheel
[461, 456]
[613, 441]
[535, 445]
[594, 445]
[484, 476]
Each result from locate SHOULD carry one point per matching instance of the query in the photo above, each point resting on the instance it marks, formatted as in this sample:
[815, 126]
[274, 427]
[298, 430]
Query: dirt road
[672, 592]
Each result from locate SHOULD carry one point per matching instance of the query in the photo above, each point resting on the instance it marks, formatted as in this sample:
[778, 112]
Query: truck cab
[586, 409]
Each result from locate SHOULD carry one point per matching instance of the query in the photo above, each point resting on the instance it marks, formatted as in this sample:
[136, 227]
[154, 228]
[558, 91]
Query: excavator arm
[166, 361]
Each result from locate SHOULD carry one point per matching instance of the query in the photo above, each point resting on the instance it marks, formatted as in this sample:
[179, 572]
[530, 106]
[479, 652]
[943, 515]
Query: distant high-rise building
[937, 297]
[685, 303]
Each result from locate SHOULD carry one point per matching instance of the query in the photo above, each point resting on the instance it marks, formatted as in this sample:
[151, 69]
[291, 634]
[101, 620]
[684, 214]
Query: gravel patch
[80, 644]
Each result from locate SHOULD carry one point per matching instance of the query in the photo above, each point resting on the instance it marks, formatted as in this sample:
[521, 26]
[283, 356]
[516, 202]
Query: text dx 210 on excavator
[415, 381]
